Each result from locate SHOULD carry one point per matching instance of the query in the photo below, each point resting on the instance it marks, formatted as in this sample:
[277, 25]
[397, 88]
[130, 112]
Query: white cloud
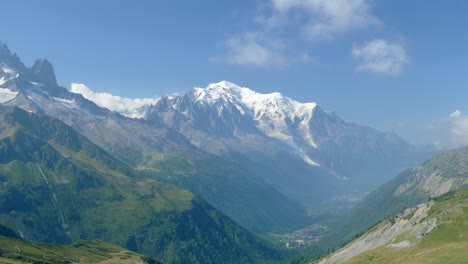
[458, 128]
[284, 27]
[448, 132]
[254, 49]
[380, 57]
[455, 114]
[125, 106]
[250, 49]
[324, 19]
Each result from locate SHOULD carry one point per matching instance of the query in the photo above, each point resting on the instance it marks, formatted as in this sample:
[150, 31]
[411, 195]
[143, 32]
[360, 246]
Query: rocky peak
[11, 60]
[43, 72]
[4, 50]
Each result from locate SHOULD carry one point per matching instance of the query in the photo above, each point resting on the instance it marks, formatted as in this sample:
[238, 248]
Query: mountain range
[59, 187]
[296, 154]
[309, 155]
[150, 146]
[266, 161]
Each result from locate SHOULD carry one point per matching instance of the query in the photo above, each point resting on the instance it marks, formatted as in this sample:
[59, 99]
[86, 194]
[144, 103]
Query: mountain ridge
[231, 121]
[145, 144]
[296, 154]
[59, 187]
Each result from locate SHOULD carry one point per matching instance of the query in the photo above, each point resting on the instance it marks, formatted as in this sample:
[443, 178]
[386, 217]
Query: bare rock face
[43, 72]
[412, 224]
[445, 172]
[439, 175]
[10, 59]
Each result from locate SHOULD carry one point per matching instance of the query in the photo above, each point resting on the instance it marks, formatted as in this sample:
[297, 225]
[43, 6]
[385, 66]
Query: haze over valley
[309, 132]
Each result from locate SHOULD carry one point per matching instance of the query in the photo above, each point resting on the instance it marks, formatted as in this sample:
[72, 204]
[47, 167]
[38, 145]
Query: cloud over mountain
[127, 106]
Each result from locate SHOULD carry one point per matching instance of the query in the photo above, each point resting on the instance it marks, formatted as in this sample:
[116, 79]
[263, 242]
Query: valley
[216, 174]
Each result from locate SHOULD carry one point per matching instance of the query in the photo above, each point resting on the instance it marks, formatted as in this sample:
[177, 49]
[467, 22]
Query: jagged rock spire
[5, 53]
[4, 50]
[10, 59]
[43, 72]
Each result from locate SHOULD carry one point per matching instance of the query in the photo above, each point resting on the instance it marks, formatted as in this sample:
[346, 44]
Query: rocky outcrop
[404, 230]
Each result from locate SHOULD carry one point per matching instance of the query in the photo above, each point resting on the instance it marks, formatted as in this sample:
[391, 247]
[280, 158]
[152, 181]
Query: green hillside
[20, 251]
[445, 172]
[446, 243]
[58, 187]
[228, 187]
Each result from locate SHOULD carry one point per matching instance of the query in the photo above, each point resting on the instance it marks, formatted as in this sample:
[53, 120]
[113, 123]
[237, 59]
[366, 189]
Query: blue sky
[396, 65]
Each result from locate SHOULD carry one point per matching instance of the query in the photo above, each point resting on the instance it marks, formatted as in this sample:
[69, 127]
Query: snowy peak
[222, 91]
[257, 104]
[275, 115]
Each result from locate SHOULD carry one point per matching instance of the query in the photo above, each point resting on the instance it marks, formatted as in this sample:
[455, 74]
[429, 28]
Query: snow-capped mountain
[273, 131]
[224, 118]
[277, 116]
[273, 112]
[6, 74]
[295, 146]
[35, 89]
[261, 145]
[149, 145]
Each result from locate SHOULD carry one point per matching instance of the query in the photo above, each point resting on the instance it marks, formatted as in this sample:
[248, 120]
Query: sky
[395, 65]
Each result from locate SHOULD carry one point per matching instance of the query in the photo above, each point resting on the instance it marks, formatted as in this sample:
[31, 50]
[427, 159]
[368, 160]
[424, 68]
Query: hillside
[152, 146]
[441, 174]
[296, 155]
[59, 187]
[433, 232]
[15, 251]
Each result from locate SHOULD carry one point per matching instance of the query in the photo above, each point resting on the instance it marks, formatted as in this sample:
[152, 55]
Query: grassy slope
[56, 186]
[447, 243]
[21, 251]
[382, 203]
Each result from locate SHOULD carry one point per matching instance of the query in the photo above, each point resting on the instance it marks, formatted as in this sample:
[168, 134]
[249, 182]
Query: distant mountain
[153, 147]
[262, 159]
[433, 232]
[59, 187]
[309, 154]
[443, 173]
